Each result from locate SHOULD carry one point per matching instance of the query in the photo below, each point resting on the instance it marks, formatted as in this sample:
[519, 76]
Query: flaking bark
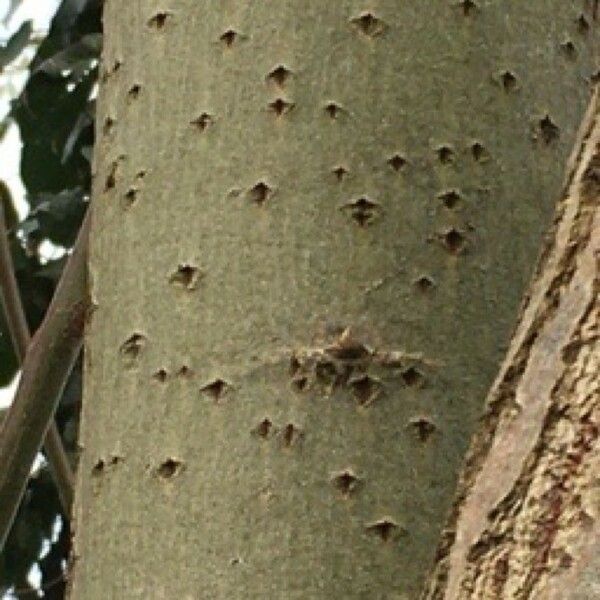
[525, 523]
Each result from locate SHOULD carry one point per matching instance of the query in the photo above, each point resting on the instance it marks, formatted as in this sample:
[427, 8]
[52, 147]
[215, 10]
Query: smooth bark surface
[16, 321]
[313, 222]
[50, 357]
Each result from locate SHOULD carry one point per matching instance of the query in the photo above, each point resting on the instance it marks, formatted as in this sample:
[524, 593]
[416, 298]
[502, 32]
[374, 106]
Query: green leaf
[85, 120]
[33, 524]
[47, 114]
[76, 58]
[73, 19]
[56, 216]
[15, 44]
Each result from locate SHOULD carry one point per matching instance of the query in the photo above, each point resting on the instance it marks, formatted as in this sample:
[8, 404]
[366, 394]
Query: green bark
[312, 228]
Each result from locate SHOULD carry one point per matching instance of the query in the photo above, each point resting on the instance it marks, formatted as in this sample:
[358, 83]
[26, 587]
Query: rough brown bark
[525, 523]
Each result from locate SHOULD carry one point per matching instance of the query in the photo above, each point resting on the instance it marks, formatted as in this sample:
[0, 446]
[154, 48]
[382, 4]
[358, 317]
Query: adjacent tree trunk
[533, 531]
[313, 222]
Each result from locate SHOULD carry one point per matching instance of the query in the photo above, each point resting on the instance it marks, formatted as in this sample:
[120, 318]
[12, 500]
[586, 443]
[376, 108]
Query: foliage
[17, 42]
[55, 115]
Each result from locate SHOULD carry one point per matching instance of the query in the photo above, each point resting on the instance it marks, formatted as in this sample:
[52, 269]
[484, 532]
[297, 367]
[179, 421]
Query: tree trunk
[312, 226]
[533, 533]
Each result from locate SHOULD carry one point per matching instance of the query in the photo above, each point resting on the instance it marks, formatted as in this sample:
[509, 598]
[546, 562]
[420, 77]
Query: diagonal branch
[50, 357]
[19, 333]
[524, 523]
